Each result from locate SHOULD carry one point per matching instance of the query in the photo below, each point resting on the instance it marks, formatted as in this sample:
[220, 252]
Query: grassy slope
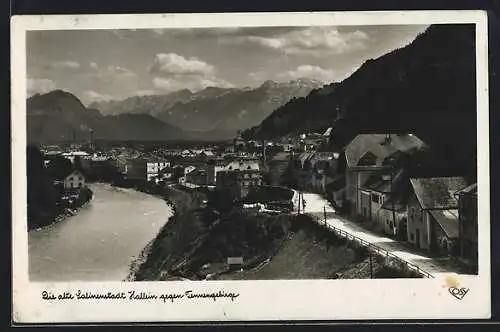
[274, 247]
[176, 237]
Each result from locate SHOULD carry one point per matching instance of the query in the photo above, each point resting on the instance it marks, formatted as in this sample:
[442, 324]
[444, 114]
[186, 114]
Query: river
[99, 242]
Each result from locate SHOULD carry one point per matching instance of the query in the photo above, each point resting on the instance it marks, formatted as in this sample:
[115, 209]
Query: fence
[372, 247]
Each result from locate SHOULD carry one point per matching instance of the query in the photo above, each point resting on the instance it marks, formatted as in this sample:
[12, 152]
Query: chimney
[388, 138]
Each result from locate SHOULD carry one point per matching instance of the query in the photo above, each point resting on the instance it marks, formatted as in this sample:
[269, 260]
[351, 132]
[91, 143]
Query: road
[316, 205]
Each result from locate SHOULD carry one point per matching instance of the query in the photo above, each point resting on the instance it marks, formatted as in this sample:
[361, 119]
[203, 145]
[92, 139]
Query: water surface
[101, 240]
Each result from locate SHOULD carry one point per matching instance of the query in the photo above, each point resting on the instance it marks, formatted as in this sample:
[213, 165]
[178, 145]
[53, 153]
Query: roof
[379, 183]
[375, 144]
[325, 155]
[437, 193]
[305, 156]
[76, 153]
[400, 196]
[197, 171]
[63, 175]
[166, 170]
[281, 156]
[243, 164]
[471, 190]
[448, 220]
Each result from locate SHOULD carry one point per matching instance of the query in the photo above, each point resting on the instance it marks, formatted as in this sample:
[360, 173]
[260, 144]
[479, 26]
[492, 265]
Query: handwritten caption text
[138, 296]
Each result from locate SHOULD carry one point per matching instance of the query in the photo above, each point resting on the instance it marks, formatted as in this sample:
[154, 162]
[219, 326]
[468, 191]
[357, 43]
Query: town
[372, 183]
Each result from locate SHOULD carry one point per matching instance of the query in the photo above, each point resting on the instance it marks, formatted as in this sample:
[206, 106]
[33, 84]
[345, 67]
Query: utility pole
[324, 212]
[392, 202]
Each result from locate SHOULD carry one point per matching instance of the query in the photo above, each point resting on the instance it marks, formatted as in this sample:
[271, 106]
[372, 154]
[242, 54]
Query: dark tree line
[44, 197]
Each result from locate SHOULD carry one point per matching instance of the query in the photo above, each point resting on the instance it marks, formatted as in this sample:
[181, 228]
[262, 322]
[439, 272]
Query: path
[316, 205]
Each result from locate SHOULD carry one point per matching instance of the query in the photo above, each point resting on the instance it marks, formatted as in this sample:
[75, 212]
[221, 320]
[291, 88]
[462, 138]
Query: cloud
[114, 74]
[167, 64]
[312, 41]
[91, 96]
[173, 72]
[311, 72]
[66, 64]
[193, 83]
[39, 85]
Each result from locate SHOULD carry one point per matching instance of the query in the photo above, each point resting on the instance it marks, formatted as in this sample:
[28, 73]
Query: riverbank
[83, 199]
[99, 242]
[194, 244]
[175, 235]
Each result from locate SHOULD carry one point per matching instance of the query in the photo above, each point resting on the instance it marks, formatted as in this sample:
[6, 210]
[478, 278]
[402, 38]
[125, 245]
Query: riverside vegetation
[196, 242]
[45, 200]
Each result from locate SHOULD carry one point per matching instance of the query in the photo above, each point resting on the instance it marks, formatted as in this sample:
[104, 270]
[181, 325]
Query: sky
[98, 65]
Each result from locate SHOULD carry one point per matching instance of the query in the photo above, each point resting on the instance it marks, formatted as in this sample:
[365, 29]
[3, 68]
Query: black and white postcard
[250, 166]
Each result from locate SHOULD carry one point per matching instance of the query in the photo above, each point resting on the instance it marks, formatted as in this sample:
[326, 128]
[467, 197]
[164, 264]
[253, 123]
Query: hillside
[213, 112]
[148, 104]
[60, 116]
[427, 88]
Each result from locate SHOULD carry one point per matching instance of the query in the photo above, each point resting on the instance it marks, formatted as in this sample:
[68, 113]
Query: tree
[59, 166]
[41, 195]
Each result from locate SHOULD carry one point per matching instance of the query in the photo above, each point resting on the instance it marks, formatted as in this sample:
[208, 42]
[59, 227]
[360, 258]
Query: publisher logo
[458, 293]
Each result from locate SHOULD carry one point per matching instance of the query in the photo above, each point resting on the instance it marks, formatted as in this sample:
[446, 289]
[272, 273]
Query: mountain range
[60, 116]
[427, 88]
[210, 114]
[212, 111]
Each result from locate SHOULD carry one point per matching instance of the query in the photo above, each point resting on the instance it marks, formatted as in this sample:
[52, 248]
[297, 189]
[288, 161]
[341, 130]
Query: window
[412, 236]
[375, 198]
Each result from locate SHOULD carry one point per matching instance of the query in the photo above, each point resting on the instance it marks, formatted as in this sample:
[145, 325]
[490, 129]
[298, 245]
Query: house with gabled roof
[433, 213]
[371, 154]
[468, 225]
[379, 196]
[70, 179]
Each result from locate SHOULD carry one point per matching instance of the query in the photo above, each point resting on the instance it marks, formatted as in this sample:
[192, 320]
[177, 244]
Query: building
[145, 168]
[323, 167]
[239, 143]
[335, 191]
[383, 200]
[277, 167]
[71, 180]
[198, 177]
[172, 152]
[369, 154]
[433, 214]
[80, 154]
[238, 183]
[468, 225]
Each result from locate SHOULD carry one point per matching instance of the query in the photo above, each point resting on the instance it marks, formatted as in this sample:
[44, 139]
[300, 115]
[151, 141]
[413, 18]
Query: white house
[73, 180]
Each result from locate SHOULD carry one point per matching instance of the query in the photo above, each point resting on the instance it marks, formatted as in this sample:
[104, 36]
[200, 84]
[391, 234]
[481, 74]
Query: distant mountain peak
[268, 84]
